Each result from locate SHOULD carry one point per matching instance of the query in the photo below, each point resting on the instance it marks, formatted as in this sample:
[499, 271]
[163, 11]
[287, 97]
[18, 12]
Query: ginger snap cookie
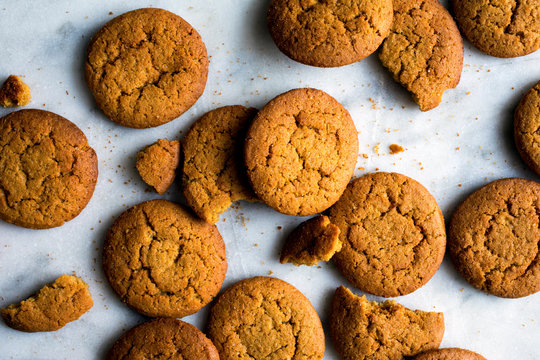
[265, 318]
[362, 329]
[494, 238]
[146, 67]
[424, 50]
[501, 28]
[301, 151]
[392, 231]
[449, 354]
[158, 162]
[329, 33]
[526, 124]
[164, 339]
[214, 171]
[312, 241]
[163, 261]
[47, 169]
[55, 305]
[14, 92]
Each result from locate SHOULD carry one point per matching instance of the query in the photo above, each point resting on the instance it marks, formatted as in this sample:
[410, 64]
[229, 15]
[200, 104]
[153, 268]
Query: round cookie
[163, 339]
[393, 234]
[493, 238]
[214, 172]
[146, 67]
[424, 50]
[329, 33]
[265, 318]
[526, 124]
[163, 261]
[301, 151]
[48, 171]
[501, 28]
[449, 354]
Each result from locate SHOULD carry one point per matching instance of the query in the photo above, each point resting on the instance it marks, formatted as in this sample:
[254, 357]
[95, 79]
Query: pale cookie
[449, 354]
[526, 125]
[14, 92]
[157, 164]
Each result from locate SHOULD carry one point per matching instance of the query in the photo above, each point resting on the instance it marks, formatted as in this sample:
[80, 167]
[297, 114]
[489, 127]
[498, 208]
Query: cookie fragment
[55, 305]
[14, 92]
[449, 354]
[157, 164]
[526, 124]
[312, 241]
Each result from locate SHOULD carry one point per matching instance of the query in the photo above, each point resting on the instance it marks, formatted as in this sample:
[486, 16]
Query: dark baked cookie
[163, 339]
[55, 305]
[47, 169]
[392, 231]
[158, 162]
[362, 329]
[502, 28]
[265, 318]
[494, 237]
[14, 92]
[163, 261]
[301, 151]
[146, 67]
[312, 241]
[424, 50]
[526, 125]
[214, 171]
[449, 354]
[329, 33]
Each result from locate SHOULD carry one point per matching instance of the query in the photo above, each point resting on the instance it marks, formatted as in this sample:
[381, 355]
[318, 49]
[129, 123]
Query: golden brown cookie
[265, 318]
[502, 28]
[14, 92]
[214, 171]
[424, 50]
[157, 164]
[312, 241]
[393, 234]
[163, 339]
[362, 329]
[55, 305]
[494, 238]
[526, 125]
[329, 33]
[163, 261]
[449, 354]
[47, 169]
[146, 67]
[301, 151]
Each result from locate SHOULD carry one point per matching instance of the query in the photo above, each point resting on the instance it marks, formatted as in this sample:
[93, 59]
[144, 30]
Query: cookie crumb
[14, 92]
[395, 148]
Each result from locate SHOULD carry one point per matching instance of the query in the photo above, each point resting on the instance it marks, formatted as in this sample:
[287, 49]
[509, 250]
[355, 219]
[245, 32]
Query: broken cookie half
[14, 92]
[157, 164]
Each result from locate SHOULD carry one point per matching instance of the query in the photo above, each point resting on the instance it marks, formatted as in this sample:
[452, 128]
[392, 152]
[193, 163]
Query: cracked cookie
[329, 33]
[146, 67]
[502, 28]
[55, 305]
[214, 171]
[163, 261]
[424, 50]
[449, 354]
[392, 231]
[14, 92]
[301, 151]
[47, 169]
[163, 339]
[157, 164]
[494, 238]
[265, 318]
[312, 241]
[362, 329]
[526, 125]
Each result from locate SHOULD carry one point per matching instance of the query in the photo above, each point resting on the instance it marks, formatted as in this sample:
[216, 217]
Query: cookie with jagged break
[157, 164]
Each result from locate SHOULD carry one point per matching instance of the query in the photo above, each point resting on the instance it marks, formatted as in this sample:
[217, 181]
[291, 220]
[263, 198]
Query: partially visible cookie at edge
[526, 124]
[449, 354]
[157, 164]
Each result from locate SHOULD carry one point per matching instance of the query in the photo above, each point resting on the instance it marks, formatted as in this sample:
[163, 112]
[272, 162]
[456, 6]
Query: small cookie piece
[214, 171]
[392, 231]
[48, 171]
[312, 241]
[449, 354]
[163, 261]
[146, 67]
[526, 125]
[329, 33]
[55, 305]
[158, 162]
[163, 339]
[424, 50]
[265, 318]
[362, 329]
[14, 92]
[301, 151]
[501, 28]
[494, 237]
